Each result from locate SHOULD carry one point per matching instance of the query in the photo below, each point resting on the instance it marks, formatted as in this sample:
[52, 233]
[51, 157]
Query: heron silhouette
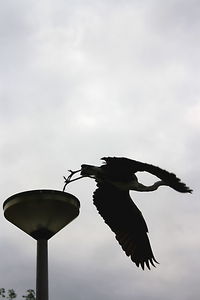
[115, 178]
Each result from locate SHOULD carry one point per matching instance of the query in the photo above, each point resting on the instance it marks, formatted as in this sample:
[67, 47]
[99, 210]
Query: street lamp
[41, 214]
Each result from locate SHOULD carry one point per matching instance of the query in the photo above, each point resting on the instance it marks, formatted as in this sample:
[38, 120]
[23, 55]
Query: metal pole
[42, 270]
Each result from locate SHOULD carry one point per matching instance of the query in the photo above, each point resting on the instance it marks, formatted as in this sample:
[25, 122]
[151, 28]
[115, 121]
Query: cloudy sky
[84, 79]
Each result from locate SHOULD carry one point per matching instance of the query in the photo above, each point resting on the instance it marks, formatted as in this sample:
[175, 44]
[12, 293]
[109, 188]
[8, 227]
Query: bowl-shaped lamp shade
[41, 213]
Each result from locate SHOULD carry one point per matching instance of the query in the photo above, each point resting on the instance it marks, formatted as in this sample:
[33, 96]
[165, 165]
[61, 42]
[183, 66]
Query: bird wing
[126, 221]
[130, 165]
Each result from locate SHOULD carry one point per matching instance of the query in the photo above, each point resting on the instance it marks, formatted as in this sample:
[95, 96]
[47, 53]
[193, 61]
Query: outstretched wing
[126, 221]
[133, 166]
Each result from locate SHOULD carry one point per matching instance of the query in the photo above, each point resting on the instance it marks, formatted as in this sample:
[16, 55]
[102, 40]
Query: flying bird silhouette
[115, 178]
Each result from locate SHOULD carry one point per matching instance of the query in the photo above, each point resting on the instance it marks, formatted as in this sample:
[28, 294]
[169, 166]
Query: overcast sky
[84, 79]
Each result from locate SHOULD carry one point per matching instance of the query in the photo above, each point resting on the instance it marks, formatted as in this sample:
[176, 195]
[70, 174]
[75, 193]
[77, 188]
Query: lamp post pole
[41, 214]
[42, 270]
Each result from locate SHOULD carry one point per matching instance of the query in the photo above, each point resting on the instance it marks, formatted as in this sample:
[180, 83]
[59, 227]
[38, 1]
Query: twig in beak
[68, 179]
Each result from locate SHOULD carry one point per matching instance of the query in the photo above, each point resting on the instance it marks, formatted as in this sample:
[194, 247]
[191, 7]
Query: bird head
[90, 171]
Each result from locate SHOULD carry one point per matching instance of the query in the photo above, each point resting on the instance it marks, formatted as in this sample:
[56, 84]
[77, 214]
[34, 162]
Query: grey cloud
[84, 79]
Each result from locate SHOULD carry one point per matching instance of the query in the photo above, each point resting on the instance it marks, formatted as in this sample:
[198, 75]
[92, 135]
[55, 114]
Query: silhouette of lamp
[41, 214]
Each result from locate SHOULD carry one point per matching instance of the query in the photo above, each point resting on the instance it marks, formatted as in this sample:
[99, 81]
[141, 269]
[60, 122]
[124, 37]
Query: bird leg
[139, 187]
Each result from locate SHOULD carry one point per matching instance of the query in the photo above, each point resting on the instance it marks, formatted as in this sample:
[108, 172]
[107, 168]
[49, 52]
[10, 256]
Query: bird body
[114, 180]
